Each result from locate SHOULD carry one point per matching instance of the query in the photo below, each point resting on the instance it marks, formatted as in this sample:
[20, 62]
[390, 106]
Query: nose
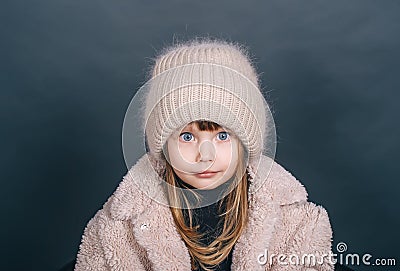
[206, 151]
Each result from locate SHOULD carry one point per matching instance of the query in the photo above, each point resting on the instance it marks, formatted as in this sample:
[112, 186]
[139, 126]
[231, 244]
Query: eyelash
[187, 133]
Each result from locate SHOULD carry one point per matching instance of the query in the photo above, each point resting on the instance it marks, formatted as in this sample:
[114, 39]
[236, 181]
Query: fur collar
[142, 184]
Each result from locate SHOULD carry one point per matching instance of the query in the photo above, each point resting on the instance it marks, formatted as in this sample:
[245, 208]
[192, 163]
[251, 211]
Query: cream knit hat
[197, 80]
[213, 81]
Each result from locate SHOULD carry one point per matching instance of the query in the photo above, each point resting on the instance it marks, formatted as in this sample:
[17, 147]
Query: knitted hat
[213, 81]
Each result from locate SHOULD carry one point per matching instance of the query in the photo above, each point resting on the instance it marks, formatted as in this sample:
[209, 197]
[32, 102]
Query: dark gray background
[70, 68]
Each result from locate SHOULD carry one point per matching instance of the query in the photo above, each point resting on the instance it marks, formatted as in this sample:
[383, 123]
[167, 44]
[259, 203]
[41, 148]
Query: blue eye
[186, 136]
[223, 136]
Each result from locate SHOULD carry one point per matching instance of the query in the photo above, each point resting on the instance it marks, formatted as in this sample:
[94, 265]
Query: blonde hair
[234, 214]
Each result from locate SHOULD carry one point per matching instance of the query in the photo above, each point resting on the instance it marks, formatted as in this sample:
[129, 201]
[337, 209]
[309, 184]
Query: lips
[206, 174]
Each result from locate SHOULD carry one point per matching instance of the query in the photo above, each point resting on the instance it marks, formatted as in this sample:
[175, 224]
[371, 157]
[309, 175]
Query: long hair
[233, 209]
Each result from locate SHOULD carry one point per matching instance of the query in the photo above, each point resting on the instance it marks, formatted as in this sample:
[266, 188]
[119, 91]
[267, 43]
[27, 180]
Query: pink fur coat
[134, 232]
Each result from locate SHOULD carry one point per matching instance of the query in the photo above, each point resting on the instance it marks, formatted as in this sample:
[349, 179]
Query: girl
[207, 194]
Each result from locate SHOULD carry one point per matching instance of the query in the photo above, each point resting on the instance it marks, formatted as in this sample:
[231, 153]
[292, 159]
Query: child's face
[203, 159]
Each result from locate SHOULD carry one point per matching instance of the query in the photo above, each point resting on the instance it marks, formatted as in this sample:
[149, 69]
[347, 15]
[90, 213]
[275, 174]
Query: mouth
[207, 174]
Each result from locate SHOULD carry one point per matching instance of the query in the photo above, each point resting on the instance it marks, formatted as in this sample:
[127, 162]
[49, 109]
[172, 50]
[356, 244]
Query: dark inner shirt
[209, 221]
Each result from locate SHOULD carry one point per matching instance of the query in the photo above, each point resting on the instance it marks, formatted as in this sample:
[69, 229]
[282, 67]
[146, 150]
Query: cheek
[228, 155]
[187, 151]
[180, 157]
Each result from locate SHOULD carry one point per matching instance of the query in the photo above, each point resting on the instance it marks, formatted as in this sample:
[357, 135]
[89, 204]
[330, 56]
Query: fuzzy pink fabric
[134, 232]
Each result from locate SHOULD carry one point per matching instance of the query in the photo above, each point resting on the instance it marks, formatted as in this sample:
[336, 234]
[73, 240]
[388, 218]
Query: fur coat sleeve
[134, 232]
